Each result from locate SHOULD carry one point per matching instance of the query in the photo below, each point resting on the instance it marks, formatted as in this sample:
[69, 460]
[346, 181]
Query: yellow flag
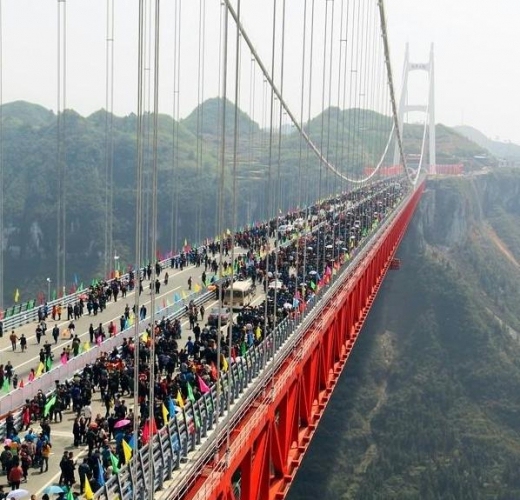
[127, 451]
[131, 319]
[197, 287]
[144, 338]
[89, 494]
[225, 365]
[86, 345]
[164, 413]
[179, 399]
[17, 295]
[184, 295]
[40, 369]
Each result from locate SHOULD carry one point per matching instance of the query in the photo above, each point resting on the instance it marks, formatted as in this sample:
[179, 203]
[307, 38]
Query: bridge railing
[27, 312]
[244, 381]
[46, 382]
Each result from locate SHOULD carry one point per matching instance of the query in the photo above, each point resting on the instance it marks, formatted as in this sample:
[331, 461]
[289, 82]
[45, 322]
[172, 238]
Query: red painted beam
[268, 444]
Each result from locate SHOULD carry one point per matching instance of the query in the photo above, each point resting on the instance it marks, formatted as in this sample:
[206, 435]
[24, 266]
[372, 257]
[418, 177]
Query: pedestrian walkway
[23, 362]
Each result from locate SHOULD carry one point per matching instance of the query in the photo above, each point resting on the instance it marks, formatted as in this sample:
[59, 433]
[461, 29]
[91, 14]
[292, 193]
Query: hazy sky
[477, 54]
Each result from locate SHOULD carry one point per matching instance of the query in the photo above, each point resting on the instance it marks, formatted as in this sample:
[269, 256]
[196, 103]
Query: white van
[243, 292]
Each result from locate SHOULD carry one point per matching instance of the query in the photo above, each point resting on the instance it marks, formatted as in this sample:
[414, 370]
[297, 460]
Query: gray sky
[477, 54]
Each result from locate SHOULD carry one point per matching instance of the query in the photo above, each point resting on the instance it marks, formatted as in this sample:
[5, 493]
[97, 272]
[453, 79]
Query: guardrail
[27, 312]
[46, 382]
[182, 434]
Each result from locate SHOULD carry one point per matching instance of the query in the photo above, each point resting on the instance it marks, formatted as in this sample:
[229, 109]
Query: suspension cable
[278, 95]
[155, 167]
[138, 228]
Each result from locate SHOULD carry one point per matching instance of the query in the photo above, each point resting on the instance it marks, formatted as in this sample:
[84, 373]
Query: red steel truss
[269, 443]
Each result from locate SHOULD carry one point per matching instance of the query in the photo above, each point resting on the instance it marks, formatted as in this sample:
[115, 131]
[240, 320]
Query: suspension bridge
[321, 160]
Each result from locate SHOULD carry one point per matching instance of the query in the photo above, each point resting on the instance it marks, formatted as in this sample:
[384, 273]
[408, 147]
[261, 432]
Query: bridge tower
[429, 108]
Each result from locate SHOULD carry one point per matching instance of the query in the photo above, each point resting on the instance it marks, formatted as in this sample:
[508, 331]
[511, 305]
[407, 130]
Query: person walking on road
[23, 343]
[13, 338]
[189, 283]
[56, 333]
[46, 453]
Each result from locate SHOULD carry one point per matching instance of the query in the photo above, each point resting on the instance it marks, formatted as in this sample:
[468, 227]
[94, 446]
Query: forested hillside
[189, 170]
[428, 406]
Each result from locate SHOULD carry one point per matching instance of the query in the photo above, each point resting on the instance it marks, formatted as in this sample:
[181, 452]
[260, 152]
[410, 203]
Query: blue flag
[101, 475]
[131, 443]
[176, 297]
[171, 407]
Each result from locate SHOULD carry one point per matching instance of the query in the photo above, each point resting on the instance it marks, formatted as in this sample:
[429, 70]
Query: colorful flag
[115, 463]
[48, 363]
[21, 385]
[224, 363]
[313, 285]
[6, 387]
[202, 385]
[171, 407]
[64, 358]
[70, 495]
[16, 295]
[40, 369]
[179, 399]
[89, 494]
[164, 414]
[48, 405]
[127, 451]
[197, 288]
[101, 475]
[191, 397]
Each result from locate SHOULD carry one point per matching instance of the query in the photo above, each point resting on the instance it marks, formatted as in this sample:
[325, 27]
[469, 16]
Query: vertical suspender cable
[323, 86]
[301, 200]
[155, 166]
[330, 189]
[109, 143]
[309, 107]
[278, 192]
[270, 212]
[175, 127]
[138, 230]
[200, 114]
[60, 160]
[224, 56]
[234, 210]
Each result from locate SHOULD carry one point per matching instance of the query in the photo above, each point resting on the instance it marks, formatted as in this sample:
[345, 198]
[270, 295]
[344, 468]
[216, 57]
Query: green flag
[191, 397]
[115, 463]
[48, 363]
[313, 285]
[70, 495]
[243, 349]
[49, 405]
[5, 386]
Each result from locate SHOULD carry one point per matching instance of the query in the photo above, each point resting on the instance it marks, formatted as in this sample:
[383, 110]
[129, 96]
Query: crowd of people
[291, 270]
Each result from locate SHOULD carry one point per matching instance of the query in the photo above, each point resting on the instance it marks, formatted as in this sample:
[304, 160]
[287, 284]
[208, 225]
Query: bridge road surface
[62, 438]
[23, 362]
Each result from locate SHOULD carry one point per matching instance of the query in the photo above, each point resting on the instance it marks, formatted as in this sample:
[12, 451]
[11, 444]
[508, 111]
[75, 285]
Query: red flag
[202, 385]
[149, 429]
[214, 373]
[21, 386]
[145, 436]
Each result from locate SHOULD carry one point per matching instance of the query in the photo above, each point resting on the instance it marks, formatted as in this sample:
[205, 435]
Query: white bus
[243, 292]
